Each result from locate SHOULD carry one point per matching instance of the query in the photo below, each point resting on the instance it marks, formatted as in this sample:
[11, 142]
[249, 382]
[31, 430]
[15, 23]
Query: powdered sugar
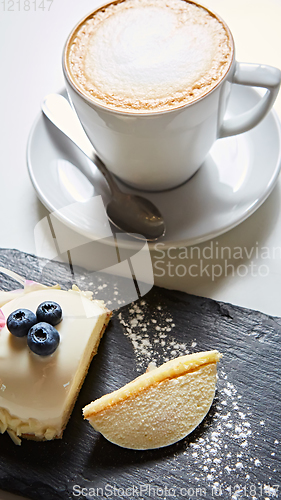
[223, 450]
[151, 336]
[229, 424]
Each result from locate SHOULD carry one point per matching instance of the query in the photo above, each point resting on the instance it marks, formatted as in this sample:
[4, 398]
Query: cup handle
[256, 75]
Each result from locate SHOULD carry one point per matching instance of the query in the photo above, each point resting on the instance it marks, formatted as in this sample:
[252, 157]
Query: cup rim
[140, 113]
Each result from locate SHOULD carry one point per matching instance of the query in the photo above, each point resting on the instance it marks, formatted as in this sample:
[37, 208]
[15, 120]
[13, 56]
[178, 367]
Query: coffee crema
[148, 55]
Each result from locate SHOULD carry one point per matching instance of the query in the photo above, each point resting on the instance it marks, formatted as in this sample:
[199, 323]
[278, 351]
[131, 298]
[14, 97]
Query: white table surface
[31, 47]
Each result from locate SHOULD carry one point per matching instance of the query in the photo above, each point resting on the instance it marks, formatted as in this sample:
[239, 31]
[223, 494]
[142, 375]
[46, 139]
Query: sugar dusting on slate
[158, 345]
[227, 445]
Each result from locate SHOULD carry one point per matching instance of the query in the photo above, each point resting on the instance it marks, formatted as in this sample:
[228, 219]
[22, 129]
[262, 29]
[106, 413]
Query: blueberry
[20, 321]
[43, 339]
[49, 312]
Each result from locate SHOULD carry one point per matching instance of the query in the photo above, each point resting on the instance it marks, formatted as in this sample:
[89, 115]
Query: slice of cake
[161, 406]
[38, 392]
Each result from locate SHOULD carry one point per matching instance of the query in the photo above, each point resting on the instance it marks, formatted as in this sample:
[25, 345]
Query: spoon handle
[60, 113]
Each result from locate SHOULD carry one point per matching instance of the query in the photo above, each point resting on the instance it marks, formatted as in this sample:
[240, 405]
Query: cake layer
[159, 407]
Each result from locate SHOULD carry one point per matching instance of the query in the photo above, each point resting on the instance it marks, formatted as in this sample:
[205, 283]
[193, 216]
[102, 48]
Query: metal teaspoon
[128, 212]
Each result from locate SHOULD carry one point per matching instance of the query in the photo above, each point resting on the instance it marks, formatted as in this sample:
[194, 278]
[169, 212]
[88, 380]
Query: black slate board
[233, 454]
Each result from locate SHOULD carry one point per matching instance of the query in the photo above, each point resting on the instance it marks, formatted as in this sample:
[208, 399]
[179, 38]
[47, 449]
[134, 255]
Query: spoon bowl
[142, 217]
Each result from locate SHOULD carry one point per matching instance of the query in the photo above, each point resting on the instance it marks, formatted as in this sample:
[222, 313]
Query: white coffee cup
[160, 150]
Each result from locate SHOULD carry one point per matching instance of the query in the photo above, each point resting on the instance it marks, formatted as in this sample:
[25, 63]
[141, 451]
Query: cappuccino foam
[149, 55]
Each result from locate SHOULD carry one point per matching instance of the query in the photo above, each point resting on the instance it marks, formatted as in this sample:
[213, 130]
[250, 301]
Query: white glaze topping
[36, 391]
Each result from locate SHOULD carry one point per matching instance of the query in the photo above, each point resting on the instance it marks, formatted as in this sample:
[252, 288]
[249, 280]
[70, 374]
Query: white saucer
[236, 178]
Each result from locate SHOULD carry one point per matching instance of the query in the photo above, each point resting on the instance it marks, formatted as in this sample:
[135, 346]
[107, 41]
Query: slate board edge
[225, 312]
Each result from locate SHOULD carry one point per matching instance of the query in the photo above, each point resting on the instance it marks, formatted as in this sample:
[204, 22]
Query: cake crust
[170, 369]
[161, 406]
